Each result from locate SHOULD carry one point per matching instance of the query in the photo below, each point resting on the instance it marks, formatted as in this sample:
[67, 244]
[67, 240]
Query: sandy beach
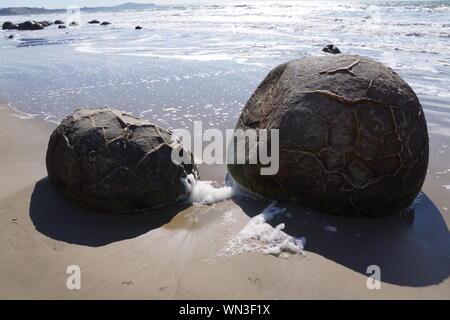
[173, 253]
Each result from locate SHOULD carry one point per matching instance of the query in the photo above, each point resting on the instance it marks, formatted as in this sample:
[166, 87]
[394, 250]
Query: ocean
[202, 61]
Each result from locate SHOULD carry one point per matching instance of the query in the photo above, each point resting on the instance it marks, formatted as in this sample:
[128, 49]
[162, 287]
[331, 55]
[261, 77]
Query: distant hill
[124, 6]
[29, 10]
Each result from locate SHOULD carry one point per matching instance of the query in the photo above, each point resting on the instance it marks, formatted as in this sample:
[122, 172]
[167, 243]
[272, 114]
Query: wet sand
[172, 253]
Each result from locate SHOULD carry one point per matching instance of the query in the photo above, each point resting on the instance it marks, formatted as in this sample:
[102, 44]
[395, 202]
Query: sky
[81, 3]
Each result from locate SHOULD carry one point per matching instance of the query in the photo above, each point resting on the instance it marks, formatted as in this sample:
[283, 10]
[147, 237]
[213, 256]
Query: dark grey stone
[30, 25]
[331, 49]
[353, 136]
[110, 161]
[8, 25]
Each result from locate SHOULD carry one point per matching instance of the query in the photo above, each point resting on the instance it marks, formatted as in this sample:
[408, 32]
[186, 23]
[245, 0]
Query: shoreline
[172, 254]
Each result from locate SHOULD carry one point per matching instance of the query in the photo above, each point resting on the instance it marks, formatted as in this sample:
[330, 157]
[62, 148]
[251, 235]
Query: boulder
[352, 136]
[58, 22]
[30, 25]
[73, 24]
[331, 49]
[11, 36]
[138, 28]
[110, 161]
[105, 23]
[45, 23]
[25, 25]
[8, 25]
[61, 26]
[94, 22]
[37, 26]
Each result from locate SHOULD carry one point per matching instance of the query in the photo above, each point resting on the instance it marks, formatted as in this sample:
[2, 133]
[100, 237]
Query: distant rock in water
[25, 25]
[353, 138]
[10, 36]
[105, 23]
[45, 23]
[73, 24]
[138, 28]
[110, 161]
[8, 25]
[61, 26]
[331, 49]
[414, 34]
[30, 25]
[59, 22]
[94, 22]
[37, 26]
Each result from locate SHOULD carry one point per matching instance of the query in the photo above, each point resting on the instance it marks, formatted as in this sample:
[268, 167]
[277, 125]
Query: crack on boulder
[343, 69]
[344, 100]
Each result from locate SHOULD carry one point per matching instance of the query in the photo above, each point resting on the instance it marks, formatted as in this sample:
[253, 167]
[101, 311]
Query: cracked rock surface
[110, 161]
[353, 136]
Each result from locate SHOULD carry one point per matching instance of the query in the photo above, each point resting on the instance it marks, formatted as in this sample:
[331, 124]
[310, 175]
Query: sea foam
[259, 236]
[204, 193]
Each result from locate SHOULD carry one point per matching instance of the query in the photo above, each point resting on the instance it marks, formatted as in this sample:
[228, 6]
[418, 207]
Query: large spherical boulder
[353, 136]
[110, 161]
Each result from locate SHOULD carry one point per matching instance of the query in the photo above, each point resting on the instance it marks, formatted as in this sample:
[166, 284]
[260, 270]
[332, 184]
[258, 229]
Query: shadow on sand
[411, 250]
[55, 217]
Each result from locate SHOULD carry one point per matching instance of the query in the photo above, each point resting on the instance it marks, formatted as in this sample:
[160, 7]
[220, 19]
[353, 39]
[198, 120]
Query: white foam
[259, 236]
[203, 192]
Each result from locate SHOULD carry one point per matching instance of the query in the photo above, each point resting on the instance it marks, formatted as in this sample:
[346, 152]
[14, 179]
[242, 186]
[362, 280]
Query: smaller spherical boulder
[110, 161]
